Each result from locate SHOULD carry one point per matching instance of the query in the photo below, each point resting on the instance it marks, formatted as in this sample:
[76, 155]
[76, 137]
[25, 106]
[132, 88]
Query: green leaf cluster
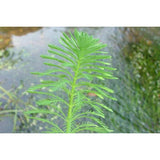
[74, 67]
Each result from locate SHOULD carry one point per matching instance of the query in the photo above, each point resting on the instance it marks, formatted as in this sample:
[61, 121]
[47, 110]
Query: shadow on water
[133, 50]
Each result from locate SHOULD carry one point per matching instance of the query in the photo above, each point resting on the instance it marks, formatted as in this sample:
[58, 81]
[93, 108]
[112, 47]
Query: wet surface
[20, 50]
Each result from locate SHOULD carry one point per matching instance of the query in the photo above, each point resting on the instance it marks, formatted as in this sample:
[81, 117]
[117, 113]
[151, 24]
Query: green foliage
[137, 90]
[145, 59]
[75, 67]
[9, 105]
[8, 58]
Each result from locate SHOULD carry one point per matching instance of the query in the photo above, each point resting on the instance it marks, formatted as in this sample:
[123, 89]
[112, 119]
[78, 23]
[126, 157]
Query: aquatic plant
[138, 85]
[8, 58]
[10, 106]
[72, 97]
[145, 59]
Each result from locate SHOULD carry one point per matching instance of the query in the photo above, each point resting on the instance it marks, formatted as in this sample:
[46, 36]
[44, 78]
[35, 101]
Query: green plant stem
[6, 92]
[15, 121]
[71, 102]
[10, 111]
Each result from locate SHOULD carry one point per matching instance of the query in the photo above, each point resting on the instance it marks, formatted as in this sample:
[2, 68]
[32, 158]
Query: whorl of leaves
[75, 66]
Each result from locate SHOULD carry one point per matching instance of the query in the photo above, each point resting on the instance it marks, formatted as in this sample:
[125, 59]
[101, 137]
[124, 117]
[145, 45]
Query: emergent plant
[73, 96]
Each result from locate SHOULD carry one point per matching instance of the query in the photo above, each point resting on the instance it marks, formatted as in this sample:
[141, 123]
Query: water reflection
[9, 57]
[7, 32]
[19, 57]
